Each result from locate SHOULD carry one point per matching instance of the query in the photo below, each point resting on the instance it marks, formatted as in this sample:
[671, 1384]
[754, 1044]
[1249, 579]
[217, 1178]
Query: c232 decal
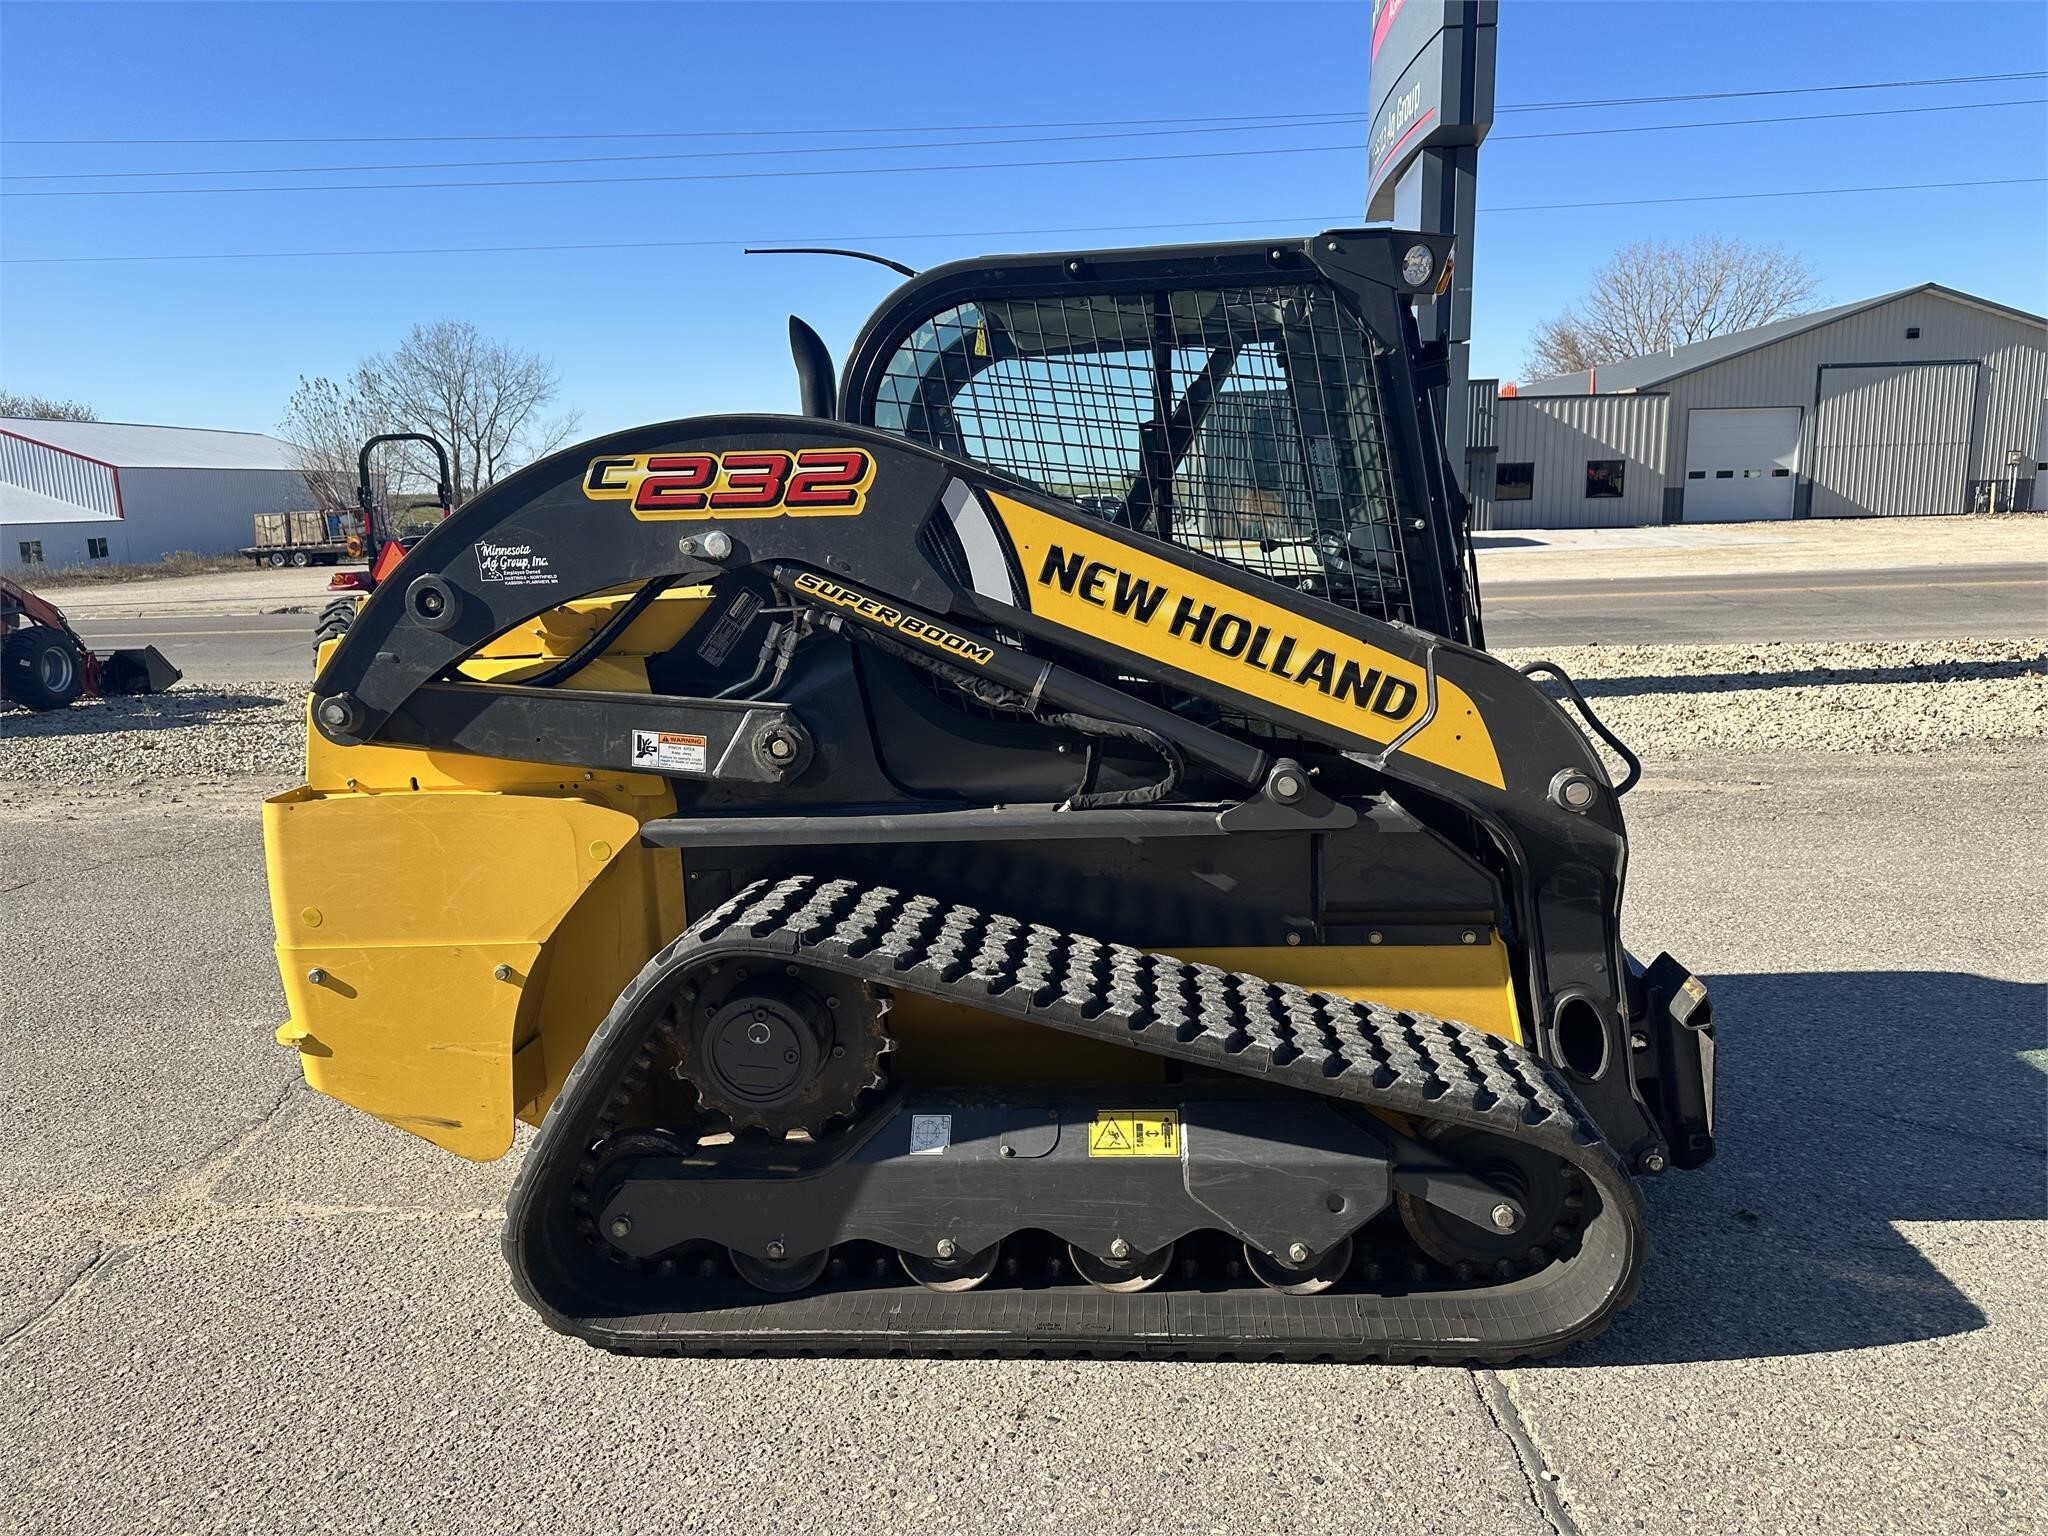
[741, 482]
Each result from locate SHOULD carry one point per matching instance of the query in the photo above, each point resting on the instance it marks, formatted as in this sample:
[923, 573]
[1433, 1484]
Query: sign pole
[1431, 98]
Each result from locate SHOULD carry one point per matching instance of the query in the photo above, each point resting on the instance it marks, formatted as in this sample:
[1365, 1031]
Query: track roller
[1316, 1272]
[780, 1277]
[954, 1271]
[1132, 1272]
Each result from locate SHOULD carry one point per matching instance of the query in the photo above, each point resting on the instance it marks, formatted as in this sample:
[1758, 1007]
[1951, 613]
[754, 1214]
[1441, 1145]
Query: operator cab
[1263, 404]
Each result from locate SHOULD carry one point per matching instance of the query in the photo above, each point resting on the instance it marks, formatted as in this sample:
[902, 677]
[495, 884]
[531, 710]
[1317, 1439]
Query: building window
[1779, 474]
[1695, 474]
[1604, 477]
[1514, 482]
[1724, 474]
[1912, 333]
[95, 549]
[31, 551]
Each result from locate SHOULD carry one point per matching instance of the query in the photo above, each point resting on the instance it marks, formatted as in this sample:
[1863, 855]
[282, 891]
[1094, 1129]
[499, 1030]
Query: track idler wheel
[953, 1269]
[1132, 1272]
[1311, 1275]
[1547, 1190]
[780, 1277]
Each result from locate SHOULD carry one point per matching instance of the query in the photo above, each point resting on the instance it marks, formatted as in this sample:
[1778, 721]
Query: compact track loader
[1029, 856]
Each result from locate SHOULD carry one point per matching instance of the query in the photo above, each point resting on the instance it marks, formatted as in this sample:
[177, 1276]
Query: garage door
[1893, 439]
[1741, 466]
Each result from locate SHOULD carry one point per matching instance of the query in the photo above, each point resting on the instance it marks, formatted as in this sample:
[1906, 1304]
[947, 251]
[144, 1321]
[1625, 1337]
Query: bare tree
[327, 424]
[485, 400]
[1653, 294]
[40, 408]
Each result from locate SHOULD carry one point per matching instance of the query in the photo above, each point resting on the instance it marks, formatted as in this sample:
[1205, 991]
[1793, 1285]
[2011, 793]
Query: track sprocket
[778, 1049]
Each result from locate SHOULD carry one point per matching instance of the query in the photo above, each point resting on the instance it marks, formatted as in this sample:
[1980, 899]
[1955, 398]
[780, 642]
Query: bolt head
[622, 1226]
[1119, 1249]
[718, 544]
[1504, 1217]
[776, 1250]
[337, 712]
[1286, 786]
[502, 972]
[316, 976]
[1469, 936]
[1293, 938]
[947, 1248]
[1653, 1162]
[1297, 1253]
[1639, 1041]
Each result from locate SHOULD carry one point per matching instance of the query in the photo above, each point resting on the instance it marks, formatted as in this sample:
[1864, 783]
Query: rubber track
[1409, 1063]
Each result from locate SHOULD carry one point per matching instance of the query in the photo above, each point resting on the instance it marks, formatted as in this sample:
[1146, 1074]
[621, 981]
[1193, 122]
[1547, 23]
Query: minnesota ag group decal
[753, 482]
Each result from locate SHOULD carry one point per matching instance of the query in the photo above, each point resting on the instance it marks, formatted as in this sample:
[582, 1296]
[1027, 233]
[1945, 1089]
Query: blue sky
[649, 334]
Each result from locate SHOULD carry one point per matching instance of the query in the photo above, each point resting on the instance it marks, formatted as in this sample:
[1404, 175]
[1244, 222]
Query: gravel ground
[1668, 702]
[1671, 702]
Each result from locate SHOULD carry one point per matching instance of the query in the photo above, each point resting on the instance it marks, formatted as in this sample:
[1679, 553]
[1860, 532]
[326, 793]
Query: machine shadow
[1848, 1103]
[1806, 677]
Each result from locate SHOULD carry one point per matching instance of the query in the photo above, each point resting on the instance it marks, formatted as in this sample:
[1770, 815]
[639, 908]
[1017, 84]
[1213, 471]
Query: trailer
[304, 538]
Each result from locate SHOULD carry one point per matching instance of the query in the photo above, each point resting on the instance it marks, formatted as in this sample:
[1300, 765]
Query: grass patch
[182, 562]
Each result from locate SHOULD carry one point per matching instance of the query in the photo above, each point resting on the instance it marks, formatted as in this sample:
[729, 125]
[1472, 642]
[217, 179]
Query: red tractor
[44, 665]
[380, 549]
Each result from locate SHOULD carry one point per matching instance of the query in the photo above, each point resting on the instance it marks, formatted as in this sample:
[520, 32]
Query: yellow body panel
[424, 872]
[411, 931]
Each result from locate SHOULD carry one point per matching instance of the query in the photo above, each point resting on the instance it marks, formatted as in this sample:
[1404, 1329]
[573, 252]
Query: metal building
[1925, 401]
[79, 492]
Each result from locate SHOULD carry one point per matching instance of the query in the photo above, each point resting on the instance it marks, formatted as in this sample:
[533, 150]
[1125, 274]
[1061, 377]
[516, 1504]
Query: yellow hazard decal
[1088, 582]
[1135, 1133]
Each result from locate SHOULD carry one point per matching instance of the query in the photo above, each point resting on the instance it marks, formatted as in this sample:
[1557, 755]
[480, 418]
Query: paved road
[226, 1303]
[213, 647]
[1982, 601]
[1988, 602]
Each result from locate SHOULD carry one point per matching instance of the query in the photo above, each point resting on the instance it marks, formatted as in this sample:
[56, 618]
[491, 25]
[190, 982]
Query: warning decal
[1135, 1133]
[669, 752]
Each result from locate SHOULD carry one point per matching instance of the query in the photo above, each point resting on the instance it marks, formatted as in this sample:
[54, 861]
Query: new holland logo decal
[1216, 628]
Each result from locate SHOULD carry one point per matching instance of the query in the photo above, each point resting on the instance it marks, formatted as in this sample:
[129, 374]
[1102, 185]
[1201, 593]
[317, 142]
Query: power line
[992, 165]
[1744, 122]
[1276, 221]
[1334, 120]
[1113, 122]
[1781, 90]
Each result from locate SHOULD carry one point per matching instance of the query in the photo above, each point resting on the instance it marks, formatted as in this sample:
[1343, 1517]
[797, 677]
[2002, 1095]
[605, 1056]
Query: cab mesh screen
[1242, 423]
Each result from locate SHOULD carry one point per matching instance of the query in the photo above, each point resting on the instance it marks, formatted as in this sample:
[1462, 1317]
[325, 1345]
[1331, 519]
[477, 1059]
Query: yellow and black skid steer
[1030, 856]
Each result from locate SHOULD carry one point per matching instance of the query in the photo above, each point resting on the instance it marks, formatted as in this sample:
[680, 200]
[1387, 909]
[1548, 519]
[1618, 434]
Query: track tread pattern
[1393, 1060]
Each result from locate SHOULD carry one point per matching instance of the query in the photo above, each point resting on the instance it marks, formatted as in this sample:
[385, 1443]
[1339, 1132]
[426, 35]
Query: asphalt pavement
[227, 1303]
[1990, 601]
